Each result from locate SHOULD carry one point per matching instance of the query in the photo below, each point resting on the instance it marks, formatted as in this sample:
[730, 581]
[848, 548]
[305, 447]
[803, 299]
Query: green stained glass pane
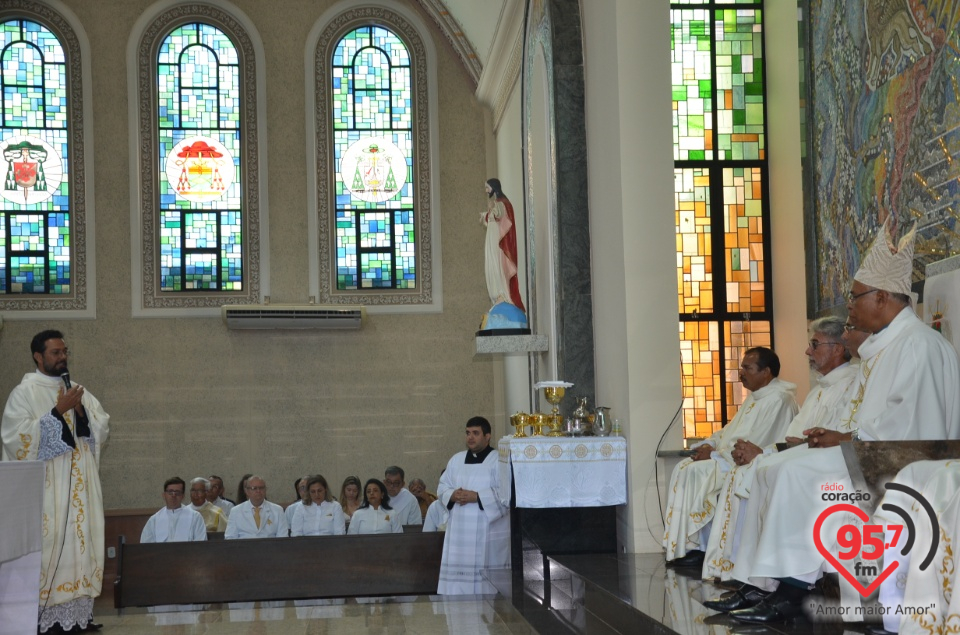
[739, 90]
[692, 84]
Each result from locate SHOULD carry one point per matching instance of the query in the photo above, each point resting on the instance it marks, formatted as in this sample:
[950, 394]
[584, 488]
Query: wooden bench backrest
[278, 569]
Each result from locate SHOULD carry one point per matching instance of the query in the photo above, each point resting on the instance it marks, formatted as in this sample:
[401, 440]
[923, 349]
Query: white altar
[564, 471]
[21, 499]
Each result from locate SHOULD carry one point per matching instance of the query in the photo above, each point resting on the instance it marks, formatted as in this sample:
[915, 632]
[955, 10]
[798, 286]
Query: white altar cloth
[564, 471]
[21, 499]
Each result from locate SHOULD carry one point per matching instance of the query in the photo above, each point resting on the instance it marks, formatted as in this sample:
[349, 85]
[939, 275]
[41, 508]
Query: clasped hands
[823, 438]
[464, 496]
[70, 400]
[744, 451]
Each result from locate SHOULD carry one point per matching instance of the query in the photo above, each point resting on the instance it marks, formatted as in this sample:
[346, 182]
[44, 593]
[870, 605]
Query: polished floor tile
[421, 616]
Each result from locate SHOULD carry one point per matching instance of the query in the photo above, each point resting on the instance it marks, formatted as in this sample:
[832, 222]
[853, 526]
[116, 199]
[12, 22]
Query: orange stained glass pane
[743, 257]
[705, 430]
[701, 380]
[692, 217]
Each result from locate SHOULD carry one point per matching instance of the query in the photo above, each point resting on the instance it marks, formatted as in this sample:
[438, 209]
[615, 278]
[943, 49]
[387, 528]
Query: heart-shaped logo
[862, 515]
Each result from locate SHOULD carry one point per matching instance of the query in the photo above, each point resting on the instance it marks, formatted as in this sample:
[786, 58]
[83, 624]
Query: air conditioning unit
[292, 316]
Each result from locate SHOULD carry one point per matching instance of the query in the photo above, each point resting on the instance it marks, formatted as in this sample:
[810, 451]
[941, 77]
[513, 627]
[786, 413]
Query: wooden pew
[277, 569]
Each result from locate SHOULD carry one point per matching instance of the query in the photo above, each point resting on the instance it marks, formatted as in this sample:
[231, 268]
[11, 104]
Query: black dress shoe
[91, 627]
[692, 559]
[769, 611]
[743, 598]
[877, 630]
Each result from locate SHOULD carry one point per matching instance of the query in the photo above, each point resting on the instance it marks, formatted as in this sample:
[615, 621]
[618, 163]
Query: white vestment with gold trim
[823, 408]
[72, 561]
[763, 419]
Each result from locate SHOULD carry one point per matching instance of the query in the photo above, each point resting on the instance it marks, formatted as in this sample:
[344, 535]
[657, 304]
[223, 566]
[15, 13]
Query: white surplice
[476, 538]
[823, 407]
[937, 584]
[73, 547]
[407, 508]
[437, 515]
[908, 388]
[938, 482]
[174, 525]
[762, 419]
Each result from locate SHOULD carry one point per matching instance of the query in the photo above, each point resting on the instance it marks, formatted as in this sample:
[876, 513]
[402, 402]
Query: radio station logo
[869, 542]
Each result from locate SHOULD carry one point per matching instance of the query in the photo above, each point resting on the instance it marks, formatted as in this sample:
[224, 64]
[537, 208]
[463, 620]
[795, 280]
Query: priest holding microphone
[49, 419]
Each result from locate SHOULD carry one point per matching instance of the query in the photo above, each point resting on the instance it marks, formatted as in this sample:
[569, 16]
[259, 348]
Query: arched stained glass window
[373, 154]
[200, 183]
[373, 164]
[199, 207]
[42, 207]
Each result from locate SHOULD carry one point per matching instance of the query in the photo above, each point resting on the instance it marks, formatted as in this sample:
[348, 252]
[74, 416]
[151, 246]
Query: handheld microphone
[66, 380]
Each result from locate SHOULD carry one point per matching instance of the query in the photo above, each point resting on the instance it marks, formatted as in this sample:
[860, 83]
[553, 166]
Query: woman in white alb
[375, 516]
[320, 514]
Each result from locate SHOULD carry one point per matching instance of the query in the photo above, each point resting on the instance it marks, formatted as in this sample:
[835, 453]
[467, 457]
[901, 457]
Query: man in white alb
[258, 517]
[695, 483]
[908, 388]
[478, 528]
[174, 522]
[49, 419]
[405, 505]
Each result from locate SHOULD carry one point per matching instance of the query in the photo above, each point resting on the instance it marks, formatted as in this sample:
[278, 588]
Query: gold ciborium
[539, 421]
[554, 392]
[520, 421]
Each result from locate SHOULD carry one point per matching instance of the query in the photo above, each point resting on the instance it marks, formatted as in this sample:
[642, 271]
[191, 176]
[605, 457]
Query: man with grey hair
[829, 351]
[213, 517]
[907, 390]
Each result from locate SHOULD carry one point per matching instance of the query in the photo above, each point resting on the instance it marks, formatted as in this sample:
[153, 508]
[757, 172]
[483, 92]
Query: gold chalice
[520, 422]
[554, 395]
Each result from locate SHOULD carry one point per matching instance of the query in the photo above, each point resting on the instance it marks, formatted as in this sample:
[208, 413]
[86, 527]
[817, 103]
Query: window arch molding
[150, 29]
[81, 303]
[321, 41]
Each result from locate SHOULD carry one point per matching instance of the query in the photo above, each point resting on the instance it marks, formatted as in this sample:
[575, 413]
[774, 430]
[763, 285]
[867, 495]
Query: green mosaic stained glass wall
[373, 147]
[35, 221]
[201, 191]
[722, 214]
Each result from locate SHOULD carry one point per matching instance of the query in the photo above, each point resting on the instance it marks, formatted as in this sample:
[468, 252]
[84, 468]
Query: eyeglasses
[256, 488]
[173, 492]
[814, 344]
[852, 297]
